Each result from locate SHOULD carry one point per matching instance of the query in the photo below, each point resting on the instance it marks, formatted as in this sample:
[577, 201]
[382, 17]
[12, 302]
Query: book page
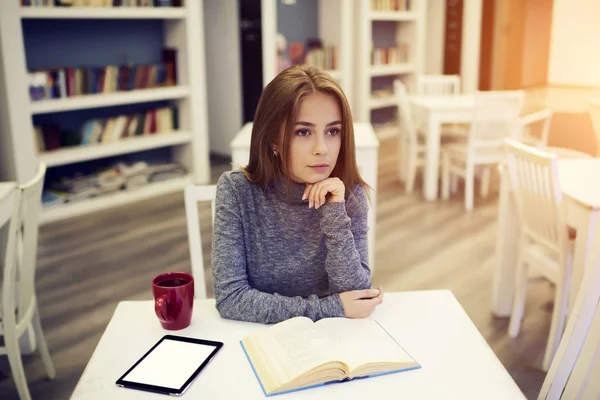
[292, 348]
[362, 341]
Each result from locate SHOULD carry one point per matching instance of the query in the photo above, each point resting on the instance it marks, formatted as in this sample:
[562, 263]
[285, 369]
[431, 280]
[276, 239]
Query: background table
[456, 361]
[367, 150]
[439, 110]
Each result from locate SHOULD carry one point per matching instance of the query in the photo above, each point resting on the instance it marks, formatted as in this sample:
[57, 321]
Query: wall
[434, 53]
[298, 22]
[224, 82]
[575, 43]
[536, 42]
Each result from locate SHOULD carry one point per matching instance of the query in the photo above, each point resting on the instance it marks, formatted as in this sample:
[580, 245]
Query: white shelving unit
[335, 28]
[183, 30]
[408, 28]
[109, 99]
[115, 199]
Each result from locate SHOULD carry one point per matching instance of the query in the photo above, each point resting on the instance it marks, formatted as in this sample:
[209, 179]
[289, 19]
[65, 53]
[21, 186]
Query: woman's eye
[334, 131]
[303, 132]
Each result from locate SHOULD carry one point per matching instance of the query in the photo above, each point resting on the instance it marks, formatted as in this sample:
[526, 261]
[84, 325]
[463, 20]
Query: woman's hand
[316, 193]
[361, 303]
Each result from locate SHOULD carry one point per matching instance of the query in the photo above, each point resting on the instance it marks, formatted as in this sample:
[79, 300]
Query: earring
[275, 153]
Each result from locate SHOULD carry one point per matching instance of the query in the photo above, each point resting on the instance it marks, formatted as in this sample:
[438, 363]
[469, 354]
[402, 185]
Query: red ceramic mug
[173, 299]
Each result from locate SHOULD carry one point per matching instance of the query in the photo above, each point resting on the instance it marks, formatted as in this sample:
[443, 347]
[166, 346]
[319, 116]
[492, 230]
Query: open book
[299, 353]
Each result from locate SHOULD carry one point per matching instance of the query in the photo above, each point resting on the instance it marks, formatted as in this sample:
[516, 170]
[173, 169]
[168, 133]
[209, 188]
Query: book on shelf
[390, 55]
[100, 3]
[154, 121]
[119, 176]
[390, 5]
[76, 81]
[314, 52]
[300, 354]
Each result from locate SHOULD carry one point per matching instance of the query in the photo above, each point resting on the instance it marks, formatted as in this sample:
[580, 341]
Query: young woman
[290, 232]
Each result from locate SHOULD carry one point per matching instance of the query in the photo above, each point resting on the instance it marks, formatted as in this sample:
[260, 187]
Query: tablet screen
[170, 365]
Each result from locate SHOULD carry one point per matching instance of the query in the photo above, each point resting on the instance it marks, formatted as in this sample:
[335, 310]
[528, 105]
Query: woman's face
[316, 139]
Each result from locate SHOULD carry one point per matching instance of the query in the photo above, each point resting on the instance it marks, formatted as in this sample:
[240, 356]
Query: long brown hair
[278, 106]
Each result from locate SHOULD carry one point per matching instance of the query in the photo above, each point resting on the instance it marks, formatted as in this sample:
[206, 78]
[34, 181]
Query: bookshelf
[334, 28]
[181, 28]
[395, 25]
[88, 101]
[81, 207]
[103, 12]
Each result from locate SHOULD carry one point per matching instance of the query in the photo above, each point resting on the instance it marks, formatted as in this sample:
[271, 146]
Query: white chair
[544, 243]
[495, 117]
[540, 120]
[575, 368]
[193, 195]
[438, 85]
[412, 143]
[19, 302]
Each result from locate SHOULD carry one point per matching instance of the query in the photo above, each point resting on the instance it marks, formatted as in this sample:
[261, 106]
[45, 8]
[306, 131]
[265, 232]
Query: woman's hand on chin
[330, 190]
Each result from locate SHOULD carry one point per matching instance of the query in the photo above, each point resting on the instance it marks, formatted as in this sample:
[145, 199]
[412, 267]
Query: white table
[580, 184]
[440, 110]
[431, 325]
[367, 150]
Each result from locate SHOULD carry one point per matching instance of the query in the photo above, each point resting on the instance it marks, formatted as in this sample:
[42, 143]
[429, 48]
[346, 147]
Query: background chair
[193, 195]
[538, 122]
[544, 244]
[496, 117]
[438, 85]
[412, 143]
[575, 369]
[19, 302]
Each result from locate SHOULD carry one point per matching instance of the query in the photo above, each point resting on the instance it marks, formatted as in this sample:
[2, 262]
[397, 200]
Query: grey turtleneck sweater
[274, 258]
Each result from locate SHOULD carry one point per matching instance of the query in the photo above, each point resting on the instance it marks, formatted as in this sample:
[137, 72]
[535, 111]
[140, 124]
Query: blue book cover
[412, 366]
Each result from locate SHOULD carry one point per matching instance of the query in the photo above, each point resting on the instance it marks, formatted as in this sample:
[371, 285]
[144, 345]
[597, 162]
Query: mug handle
[160, 307]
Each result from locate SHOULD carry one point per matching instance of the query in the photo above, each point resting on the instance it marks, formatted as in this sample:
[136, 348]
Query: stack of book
[390, 5]
[100, 3]
[69, 82]
[50, 137]
[120, 176]
[315, 53]
[390, 55]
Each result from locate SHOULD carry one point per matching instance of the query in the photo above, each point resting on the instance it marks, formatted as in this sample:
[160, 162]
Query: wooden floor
[87, 265]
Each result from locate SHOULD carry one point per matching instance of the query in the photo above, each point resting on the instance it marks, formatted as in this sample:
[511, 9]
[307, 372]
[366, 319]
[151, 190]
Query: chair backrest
[496, 117]
[534, 179]
[193, 195]
[438, 85]
[575, 368]
[407, 123]
[541, 119]
[9, 287]
[19, 270]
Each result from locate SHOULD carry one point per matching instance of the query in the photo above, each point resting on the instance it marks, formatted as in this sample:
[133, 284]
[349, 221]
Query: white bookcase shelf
[72, 155]
[391, 69]
[182, 29]
[102, 13]
[114, 199]
[382, 102]
[373, 31]
[108, 99]
[335, 28]
[393, 16]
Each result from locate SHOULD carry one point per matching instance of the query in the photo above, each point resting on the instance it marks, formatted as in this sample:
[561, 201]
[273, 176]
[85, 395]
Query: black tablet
[170, 365]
